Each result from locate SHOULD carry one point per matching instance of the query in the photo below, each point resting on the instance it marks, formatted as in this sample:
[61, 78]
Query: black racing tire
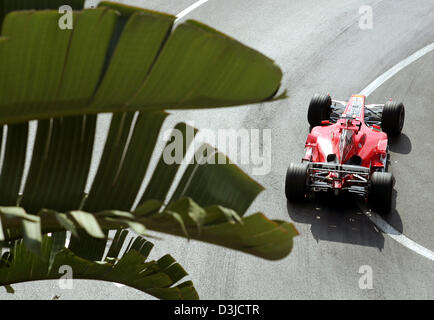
[381, 191]
[295, 183]
[319, 109]
[392, 119]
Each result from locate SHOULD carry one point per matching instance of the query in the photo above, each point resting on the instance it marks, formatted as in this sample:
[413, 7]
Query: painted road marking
[395, 69]
[374, 217]
[398, 236]
[186, 11]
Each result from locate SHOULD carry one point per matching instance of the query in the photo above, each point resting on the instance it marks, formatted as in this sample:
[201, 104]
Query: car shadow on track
[393, 217]
[401, 144]
[338, 219]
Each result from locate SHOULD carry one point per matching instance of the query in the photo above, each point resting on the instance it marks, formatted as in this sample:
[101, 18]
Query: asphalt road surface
[320, 48]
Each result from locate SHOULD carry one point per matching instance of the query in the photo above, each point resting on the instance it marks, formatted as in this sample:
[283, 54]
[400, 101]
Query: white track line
[395, 69]
[186, 11]
[398, 236]
[374, 217]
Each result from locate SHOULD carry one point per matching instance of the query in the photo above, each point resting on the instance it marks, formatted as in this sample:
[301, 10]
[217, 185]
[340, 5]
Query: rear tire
[295, 183]
[392, 119]
[319, 109]
[381, 190]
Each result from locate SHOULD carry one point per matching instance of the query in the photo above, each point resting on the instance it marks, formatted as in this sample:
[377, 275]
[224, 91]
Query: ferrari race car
[347, 150]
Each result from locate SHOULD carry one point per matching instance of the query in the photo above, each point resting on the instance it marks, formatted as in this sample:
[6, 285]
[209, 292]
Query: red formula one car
[347, 150]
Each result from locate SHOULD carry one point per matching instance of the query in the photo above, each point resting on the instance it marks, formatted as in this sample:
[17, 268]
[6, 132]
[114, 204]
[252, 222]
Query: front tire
[381, 190]
[392, 119]
[319, 109]
[295, 183]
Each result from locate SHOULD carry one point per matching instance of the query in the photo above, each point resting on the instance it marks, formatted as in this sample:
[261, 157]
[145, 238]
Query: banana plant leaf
[118, 58]
[59, 169]
[254, 234]
[130, 267]
[130, 62]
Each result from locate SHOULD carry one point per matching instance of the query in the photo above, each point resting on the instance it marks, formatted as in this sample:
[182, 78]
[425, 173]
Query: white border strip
[399, 237]
[186, 11]
[395, 69]
[374, 217]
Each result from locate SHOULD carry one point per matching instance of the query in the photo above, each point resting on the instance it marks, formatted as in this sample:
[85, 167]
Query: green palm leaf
[121, 59]
[157, 278]
[254, 234]
[117, 58]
